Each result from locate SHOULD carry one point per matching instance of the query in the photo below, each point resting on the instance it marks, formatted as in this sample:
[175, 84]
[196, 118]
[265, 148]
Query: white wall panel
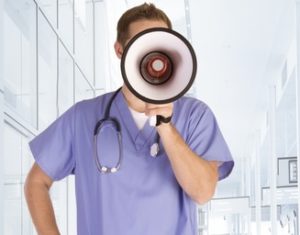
[1, 121]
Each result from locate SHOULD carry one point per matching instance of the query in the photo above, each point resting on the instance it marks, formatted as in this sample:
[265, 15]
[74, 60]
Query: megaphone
[158, 65]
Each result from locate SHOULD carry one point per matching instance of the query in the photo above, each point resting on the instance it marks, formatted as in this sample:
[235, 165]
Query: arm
[36, 189]
[197, 177]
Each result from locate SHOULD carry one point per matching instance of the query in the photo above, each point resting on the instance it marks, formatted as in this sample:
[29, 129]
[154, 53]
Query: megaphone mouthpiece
[156, 68]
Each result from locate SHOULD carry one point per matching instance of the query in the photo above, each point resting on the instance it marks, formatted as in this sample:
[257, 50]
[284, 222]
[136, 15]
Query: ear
[118, 49]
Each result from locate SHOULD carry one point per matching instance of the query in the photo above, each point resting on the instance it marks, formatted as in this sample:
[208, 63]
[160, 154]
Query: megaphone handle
[161, 119]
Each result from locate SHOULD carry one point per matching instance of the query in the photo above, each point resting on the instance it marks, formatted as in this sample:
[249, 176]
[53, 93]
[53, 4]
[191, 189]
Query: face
[137, 27]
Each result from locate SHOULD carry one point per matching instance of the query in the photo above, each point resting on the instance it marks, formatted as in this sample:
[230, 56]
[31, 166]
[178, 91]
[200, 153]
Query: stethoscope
[154, 149]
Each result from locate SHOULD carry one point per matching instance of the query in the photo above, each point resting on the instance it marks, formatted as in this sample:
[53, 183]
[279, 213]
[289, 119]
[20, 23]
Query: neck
[132, 101]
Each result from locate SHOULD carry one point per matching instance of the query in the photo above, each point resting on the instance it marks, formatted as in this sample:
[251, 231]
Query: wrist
[164, 127]
[163, 120]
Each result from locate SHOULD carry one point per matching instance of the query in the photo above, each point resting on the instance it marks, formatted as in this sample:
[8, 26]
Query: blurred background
[54, 53]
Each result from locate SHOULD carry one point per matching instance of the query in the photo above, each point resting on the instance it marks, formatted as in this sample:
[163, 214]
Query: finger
[153, 106]
[163, 111]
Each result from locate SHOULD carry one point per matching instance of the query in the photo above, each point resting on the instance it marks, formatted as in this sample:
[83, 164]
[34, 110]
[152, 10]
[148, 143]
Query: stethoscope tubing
[102, 168]
[99, 125]
[114, 121]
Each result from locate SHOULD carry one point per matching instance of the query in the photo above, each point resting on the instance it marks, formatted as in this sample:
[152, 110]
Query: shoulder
[191, 106]
[192, 116]
[89, 109]
[93, 103]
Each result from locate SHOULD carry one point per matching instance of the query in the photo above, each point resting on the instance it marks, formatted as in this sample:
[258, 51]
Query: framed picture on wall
[293, 177]
[287, 171]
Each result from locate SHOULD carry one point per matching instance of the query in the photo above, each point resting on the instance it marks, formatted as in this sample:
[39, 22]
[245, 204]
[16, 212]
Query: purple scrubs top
[143, 197]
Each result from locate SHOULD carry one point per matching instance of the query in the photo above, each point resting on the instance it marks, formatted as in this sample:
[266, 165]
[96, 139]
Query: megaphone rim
[193, 74]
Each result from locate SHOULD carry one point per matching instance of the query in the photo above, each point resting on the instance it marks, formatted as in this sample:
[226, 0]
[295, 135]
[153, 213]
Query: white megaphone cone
[158, 65]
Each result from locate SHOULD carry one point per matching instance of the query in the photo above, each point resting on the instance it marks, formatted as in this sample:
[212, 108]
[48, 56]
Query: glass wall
[20, 71]
[286, 150]
[66, 19]
[49, 62]
[16, 165]
[65, 79]
[47, 70]
[1, 121]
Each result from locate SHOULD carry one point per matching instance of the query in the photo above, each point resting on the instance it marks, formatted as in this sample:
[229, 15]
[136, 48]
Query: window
[83, 90]
[47, 69]
[84, 42]
[49, 7]
[66, 82]
[17, 162]
[65, 22]
[19, 38]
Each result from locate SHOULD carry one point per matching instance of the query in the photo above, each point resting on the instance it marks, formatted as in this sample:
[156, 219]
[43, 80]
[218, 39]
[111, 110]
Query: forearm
[196, 176]
[40, 207]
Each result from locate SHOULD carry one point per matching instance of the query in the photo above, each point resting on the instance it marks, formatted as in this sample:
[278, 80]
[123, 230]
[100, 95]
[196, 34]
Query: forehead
[141, 25]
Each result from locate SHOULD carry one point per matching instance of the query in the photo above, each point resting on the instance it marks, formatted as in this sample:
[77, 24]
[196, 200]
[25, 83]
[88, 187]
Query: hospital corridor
[245, 65]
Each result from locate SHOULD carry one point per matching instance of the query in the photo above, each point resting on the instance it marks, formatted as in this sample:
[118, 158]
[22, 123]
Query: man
[146, 195]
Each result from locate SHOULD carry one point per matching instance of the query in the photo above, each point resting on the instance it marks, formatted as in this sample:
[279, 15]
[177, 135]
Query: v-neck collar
[139, 137]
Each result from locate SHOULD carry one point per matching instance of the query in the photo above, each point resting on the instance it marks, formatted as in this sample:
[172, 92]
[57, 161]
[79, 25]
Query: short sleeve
[53, 148]
[206, 140]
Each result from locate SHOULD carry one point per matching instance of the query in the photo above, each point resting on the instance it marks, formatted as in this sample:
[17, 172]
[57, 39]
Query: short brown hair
[142, 12]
